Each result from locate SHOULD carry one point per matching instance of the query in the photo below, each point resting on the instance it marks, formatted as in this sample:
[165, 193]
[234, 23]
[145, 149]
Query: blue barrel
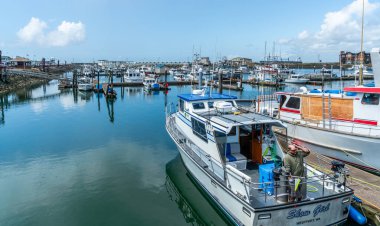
[357, 216]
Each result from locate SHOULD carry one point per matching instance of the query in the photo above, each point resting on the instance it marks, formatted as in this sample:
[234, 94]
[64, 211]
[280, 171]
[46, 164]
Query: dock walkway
[366, 185]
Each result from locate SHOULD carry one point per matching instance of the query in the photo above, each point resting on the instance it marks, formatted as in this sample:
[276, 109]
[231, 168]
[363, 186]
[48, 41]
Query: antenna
[361, 50]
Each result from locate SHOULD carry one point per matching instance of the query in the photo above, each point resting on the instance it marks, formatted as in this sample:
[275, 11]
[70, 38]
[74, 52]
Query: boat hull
[296, 81]
[241, 213]
[357, 150]
[85, 87]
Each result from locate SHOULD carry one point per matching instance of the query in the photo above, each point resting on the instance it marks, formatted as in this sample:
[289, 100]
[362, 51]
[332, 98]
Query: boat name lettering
[296, 213]
[320, 209]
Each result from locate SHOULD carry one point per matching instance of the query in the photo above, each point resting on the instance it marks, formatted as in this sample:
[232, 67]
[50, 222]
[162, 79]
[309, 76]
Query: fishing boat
[133, 76]
[151, 84]
[226, 150]
[179, 77]
[343, 124]
[84, 84]
[296, 78]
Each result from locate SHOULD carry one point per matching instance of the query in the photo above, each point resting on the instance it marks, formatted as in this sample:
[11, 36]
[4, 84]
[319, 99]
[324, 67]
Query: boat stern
[330, 211]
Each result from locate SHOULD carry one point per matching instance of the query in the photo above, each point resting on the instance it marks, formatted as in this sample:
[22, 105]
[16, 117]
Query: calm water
[75, 159]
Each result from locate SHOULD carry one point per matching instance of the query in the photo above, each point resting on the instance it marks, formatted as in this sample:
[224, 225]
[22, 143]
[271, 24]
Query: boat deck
[258, 199]
[365, 185]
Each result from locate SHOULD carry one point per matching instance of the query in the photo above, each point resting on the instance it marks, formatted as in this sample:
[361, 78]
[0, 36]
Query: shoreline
[15, 83]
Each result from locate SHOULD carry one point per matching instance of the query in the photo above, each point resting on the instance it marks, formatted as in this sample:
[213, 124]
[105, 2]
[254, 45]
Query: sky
[172, 30]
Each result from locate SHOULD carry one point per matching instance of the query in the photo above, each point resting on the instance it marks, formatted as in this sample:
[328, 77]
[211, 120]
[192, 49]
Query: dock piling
[220, 90]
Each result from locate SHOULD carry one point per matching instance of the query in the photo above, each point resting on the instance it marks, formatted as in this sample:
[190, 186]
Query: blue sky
[169, 30]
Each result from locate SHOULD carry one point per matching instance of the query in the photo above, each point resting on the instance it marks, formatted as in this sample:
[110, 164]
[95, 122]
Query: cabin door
[257, 135]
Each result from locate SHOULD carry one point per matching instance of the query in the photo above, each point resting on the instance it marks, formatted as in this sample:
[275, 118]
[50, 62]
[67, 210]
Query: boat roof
[230, 120]
[362, 89]
[212, 96]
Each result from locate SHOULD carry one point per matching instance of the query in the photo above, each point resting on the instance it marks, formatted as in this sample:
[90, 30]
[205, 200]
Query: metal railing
[351, 128]
[214, 167]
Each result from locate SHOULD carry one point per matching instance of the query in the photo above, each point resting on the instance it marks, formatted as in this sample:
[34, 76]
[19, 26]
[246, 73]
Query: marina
[45, 100]
[195, 113]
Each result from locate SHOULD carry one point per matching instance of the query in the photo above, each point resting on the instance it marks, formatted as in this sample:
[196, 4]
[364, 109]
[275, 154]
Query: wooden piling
[220, 89]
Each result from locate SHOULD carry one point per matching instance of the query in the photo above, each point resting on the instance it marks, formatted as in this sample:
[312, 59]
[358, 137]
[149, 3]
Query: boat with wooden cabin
[344, 125]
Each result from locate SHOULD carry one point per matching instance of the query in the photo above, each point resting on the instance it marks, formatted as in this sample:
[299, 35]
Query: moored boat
[133, 76]
[226, 149]
[296, 78]
[151, 84]
[340, 124]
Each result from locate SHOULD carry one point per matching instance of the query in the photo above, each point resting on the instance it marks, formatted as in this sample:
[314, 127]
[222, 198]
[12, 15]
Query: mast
[361, 50]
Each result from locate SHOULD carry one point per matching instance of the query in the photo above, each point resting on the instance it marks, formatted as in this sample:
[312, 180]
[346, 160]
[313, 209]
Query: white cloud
[66, 33]
[283, 41]
[303, 35]
[340, 30]
[34, 30]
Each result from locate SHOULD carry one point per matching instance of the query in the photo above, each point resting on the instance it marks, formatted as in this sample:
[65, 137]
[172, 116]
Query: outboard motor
[340, 172]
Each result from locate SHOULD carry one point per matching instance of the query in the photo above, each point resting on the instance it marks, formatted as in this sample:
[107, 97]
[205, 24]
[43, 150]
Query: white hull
[85, 87]
[242, 213]
[297, 81]
[355, 149]
[136, 81]
[233, 206]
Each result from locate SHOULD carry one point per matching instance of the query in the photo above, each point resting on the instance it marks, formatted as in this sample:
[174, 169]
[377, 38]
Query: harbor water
[74, 158]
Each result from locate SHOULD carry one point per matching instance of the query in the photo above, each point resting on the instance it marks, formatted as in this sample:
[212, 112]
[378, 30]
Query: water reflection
[195, 208]
[110, 109]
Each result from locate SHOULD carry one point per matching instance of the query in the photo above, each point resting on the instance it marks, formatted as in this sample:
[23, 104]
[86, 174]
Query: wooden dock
[263, 83]
[366, 185]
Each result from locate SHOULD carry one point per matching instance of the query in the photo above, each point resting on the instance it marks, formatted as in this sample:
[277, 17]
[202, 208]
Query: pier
[366, 185]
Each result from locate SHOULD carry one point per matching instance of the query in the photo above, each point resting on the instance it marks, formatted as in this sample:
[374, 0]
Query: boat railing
[333, 124]
[314, 186]
[209, 163]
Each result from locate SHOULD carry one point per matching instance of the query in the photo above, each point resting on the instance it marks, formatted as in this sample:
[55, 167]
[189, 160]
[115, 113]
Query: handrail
[334, 124]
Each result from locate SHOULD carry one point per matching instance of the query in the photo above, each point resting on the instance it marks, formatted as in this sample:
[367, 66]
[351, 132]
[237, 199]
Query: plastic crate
[265, 176]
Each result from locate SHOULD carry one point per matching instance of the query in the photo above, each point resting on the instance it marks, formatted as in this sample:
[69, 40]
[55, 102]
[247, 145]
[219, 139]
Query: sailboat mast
[361, 50]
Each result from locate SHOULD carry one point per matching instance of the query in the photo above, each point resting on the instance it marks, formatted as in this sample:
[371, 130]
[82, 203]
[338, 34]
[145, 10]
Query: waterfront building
[21, 62]
[355, 58]
[241, 61]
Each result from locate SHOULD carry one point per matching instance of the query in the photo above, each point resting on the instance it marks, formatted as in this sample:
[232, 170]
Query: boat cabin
[358, 105]
[241, 137]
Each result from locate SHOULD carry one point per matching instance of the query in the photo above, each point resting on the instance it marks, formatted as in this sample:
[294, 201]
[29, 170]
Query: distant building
[355, 58]
[159, 69]
[6, 60]
[205, 61]
[21, 62]
[241, 61]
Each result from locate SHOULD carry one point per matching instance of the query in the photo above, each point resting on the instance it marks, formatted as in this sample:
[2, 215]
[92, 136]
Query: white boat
[296, 78]
[151, 84]
[365, 73]
[180, 77]
[224, 148]
[343, 125]
[84, 84]
[133, 76]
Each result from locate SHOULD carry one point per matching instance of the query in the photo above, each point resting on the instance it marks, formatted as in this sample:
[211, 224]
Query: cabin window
[210, 105]
[370, 99]
[181, 105]
[282, 100]
[293, 102]
[199, 129]
[232, 132]
[198, 106]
